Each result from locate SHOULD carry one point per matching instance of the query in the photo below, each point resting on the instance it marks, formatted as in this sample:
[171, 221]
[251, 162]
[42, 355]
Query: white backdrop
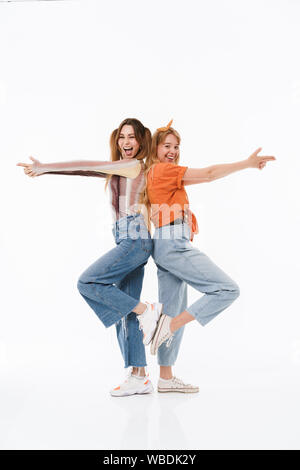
[228, 73]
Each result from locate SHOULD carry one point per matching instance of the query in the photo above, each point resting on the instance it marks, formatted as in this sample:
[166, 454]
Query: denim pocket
[181, 244]
[126, 246]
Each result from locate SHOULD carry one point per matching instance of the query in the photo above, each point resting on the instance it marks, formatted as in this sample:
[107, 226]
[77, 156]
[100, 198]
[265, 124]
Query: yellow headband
[163, 129]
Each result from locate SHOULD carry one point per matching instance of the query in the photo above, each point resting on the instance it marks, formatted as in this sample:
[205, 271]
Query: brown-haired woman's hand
[32, 169]
[258, 162]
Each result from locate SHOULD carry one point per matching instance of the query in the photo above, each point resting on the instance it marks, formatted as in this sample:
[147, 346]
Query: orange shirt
[167, 196]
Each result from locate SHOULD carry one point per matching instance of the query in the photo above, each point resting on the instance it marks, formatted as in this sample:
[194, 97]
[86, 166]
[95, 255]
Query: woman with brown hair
[112, 285]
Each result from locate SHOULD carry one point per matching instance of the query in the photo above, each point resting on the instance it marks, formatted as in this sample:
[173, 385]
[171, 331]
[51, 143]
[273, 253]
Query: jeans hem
[134, 365]
[165, 365]
[110, 323]
[199, 320]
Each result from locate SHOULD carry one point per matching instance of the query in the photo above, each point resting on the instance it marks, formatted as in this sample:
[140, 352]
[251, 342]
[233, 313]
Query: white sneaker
[162, 333]
[133, 385]
[148, 320]
[176, 385]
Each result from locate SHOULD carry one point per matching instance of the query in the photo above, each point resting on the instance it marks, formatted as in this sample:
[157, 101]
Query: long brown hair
[157, 138]
[142, 135]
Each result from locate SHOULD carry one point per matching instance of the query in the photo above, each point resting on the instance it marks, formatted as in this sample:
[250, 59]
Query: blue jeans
[180, 264]
[112, 285]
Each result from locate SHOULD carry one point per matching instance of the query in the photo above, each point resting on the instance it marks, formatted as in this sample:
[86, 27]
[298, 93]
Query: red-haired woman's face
[127, 142]
[168, 151]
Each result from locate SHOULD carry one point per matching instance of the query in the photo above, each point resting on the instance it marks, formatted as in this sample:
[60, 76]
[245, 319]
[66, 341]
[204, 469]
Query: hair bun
[167, 127]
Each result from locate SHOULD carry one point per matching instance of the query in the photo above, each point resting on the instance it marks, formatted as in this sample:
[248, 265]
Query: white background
[228, 72]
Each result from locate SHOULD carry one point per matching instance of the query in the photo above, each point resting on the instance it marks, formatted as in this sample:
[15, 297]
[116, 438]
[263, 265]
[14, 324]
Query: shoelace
[164, 338]
[128, 374]
[140, 317]
[168, 343]
[141, 326]
[180, 382]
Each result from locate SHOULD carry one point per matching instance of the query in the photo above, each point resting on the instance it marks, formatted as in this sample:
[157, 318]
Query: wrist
[246, 163]
[40, 168]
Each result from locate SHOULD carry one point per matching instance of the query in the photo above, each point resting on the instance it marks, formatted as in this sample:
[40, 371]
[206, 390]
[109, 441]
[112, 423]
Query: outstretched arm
[127, 167]
[211, 173]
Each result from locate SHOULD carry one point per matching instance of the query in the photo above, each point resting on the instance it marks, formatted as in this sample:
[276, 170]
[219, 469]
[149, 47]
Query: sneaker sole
[167, 390]
[146, 390]
[149, 337]
[154, 348]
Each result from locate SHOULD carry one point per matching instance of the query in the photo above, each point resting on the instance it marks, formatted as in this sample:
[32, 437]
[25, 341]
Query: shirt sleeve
[171, 174]
[128, 168]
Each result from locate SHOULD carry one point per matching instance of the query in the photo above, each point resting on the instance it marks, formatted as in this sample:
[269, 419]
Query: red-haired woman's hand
[258, 162]
[32, 169]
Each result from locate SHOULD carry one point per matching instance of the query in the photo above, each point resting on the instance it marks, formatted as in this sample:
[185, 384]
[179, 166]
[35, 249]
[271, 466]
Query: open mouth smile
[128, 150]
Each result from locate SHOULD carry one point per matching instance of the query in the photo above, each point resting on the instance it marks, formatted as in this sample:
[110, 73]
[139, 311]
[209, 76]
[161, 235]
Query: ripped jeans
[112, 285]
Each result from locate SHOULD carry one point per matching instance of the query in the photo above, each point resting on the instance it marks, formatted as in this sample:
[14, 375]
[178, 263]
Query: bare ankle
[173, 325]
[165, 372]
[140, 308]
[139, 371]
[166, 377]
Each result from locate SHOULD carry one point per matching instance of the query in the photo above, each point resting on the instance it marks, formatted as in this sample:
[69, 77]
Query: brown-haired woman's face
[127, 142]
[168, 151]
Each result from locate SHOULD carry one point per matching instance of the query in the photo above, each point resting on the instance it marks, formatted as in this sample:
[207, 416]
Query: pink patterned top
[125, 185]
